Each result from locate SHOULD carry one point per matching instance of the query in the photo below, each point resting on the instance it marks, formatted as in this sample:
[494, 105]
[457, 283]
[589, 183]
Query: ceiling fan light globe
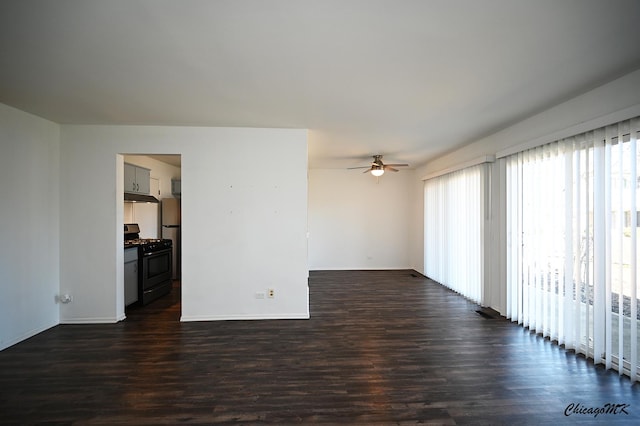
[377, 172]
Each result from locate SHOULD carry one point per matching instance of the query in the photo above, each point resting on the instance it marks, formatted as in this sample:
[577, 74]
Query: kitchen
[152, 243]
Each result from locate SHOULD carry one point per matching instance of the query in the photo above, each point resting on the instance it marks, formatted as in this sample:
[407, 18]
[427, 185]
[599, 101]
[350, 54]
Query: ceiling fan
[377, 167]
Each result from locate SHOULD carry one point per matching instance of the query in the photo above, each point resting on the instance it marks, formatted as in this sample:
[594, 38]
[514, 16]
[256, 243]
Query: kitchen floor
[166, 308]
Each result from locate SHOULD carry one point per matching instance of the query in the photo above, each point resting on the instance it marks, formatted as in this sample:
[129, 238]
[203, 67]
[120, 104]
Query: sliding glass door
[572, 218]
[454, 220]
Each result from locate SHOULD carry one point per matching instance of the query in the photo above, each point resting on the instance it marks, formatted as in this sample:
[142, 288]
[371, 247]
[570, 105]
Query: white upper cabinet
[136, 179]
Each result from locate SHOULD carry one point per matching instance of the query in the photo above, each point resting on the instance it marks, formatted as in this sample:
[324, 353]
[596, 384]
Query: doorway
[153, 206]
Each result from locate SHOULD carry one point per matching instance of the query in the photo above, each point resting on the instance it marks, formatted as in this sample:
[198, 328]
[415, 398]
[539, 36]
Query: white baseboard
[293, 316]
[89, 321]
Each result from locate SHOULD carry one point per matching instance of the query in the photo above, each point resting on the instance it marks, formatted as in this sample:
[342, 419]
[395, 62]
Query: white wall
[609, 103]
[356, 222]
[243, 224]
[29, 254]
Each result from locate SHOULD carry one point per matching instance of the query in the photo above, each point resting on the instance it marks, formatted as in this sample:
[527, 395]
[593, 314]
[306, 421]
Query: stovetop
[141, 241]
[148, 244]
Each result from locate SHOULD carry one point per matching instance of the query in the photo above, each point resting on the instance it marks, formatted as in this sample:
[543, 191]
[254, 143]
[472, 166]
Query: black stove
[154, 264]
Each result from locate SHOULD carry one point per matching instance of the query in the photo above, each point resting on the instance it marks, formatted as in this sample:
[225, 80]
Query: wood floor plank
[381, 347]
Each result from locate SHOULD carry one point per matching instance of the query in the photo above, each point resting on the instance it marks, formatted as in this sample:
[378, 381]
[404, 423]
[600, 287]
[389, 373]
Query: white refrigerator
[171, 230]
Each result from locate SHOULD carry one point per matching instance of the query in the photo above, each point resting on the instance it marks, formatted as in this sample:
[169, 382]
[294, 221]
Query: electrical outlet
[272, 293]
[65, 298]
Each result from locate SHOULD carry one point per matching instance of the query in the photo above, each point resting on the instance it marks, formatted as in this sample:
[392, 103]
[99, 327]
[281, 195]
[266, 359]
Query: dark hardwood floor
[381, 347]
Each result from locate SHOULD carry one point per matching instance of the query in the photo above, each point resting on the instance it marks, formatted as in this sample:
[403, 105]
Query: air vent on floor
[488, 313]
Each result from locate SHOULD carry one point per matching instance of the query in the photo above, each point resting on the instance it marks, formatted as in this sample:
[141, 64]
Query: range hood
[130, 197]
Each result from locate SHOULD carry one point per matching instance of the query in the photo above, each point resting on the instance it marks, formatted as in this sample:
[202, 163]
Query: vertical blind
[572, 223]
[454, 218]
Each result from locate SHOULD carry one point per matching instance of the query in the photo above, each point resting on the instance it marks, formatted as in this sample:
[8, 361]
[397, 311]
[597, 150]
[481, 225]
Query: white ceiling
[411, 79]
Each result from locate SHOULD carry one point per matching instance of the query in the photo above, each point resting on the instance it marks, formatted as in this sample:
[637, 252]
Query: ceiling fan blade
[353, 168]
[386, 167]
[397, 165]
[368, 170]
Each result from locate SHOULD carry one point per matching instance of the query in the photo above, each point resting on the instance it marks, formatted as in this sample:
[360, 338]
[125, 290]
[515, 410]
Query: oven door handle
[155, 253]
